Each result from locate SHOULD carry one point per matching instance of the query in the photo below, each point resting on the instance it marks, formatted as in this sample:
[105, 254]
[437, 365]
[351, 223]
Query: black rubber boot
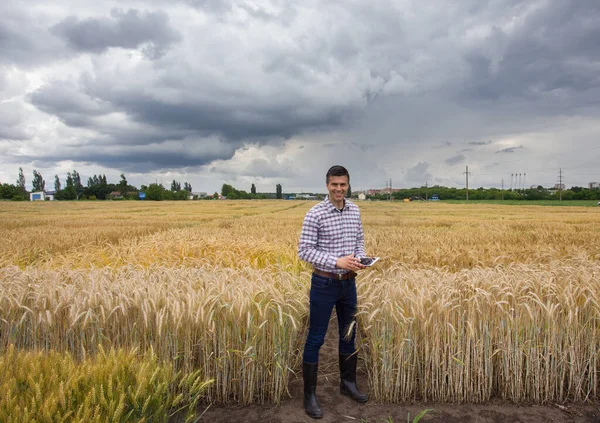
[348, 378]
[311, 403]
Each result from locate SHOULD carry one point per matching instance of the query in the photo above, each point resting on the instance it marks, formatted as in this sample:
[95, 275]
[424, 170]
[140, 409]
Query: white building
[198, 195]
[37, 196]
[42, 195]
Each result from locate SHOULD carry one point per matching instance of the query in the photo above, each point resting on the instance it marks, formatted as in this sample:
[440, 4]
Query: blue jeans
[324, 294]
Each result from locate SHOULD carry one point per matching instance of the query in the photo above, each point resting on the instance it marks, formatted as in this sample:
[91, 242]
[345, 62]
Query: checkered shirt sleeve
[328, 234]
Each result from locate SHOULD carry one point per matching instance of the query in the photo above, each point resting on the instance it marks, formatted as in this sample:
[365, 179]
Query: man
[332, 240]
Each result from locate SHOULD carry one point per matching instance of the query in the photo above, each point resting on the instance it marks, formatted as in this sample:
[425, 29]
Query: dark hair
[336, 171]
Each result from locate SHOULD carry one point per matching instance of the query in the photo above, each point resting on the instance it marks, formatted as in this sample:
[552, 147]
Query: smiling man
[332, 240]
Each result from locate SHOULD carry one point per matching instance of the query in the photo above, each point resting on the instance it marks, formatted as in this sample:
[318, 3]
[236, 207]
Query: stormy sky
[268, 92]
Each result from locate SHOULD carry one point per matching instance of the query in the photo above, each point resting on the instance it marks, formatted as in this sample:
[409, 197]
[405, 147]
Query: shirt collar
[333, 208]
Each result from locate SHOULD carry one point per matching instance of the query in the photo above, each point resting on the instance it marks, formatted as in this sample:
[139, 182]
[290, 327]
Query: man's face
[337, 187]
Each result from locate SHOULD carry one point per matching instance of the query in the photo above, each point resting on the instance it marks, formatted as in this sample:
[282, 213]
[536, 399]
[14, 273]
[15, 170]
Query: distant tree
[123, 185]
[175, 186]
[70, 192]
[69, 180]
[11, 192]
[349, 193]
[21, 181]
[187, 186]
[76, 180]
[154, 192]
[216, 195]
[56, 183]
[278, 192]
[38, 181]
[182, 194]
[253, 190]
[227, 190]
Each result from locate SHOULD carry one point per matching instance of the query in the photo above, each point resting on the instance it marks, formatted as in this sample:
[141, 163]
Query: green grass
[580, 203]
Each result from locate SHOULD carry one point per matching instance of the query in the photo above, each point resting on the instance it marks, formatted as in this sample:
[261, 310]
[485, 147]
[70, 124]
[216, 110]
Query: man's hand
[349, 263]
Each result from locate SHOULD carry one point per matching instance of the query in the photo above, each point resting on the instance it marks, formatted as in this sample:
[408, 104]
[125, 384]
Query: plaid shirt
[328, 233]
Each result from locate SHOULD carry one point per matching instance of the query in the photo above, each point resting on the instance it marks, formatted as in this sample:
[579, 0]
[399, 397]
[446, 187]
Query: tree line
[97, 188]
[232, 193]
[538, 193]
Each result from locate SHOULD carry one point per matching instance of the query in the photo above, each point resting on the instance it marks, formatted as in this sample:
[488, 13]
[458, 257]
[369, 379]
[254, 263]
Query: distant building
[362, 196]
[42, 196]
[37, 196]
[594, 185]
[559, 186]
[199, 195]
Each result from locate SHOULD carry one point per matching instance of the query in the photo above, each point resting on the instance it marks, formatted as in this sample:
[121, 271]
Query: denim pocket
[320, 281]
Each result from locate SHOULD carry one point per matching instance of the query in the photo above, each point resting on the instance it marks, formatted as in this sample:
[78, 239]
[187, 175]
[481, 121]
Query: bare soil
[338, 408]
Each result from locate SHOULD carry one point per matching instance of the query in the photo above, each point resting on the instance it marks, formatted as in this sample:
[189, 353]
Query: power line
[560, 184]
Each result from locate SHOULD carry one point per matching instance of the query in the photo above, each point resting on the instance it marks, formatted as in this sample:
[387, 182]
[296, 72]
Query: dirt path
[338, 408]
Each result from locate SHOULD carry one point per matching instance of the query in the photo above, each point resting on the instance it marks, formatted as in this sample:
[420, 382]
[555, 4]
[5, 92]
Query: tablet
[369, 261]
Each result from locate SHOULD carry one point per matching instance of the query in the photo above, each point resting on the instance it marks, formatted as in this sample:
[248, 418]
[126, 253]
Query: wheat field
[468, 302]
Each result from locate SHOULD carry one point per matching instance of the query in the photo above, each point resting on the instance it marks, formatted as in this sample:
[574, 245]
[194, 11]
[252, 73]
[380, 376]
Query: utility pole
[467, 181]
[390, 197]
[560, 184]
[511, 181]
[426, 191]
[502, 189]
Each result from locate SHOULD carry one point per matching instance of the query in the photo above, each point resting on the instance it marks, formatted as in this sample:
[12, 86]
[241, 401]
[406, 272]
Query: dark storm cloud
[418, 83]
[234, 122]
[554, 49]
[69, 102]
[459, 158]
[23, 41]
[143, 158]
[78, 104]
[128, 30]
[510, 149]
